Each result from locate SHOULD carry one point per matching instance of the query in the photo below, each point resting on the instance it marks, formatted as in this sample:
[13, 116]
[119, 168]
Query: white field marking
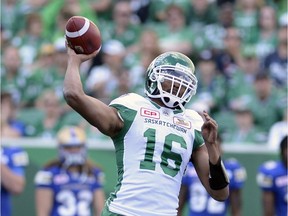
[81, 32]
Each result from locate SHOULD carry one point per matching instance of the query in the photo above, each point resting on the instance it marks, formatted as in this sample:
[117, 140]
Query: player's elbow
[220, 195]
[18, 188]
[72, 96]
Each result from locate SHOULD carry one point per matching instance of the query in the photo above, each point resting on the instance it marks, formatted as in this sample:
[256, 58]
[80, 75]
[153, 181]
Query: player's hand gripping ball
[82, 35]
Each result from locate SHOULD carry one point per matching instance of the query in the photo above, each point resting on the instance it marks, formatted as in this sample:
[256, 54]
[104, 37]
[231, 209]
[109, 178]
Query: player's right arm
[97, 113]
[43, 201]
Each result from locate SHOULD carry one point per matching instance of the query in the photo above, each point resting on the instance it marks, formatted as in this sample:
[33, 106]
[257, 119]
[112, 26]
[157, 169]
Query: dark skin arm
[208, 152]
[97, 113]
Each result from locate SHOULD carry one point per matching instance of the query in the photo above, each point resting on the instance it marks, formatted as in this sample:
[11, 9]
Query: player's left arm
[208, 163]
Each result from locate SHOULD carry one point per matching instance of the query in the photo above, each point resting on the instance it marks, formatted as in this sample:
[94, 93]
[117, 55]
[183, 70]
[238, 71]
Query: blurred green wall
[23, 205]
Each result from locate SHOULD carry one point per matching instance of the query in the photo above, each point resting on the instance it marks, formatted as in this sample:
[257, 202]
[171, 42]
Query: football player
[201, 203]
[13, 163]
[69, 185]
[272, 178]
[154, 136]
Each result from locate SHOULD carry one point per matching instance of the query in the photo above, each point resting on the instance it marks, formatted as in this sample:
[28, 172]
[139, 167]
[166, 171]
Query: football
[82, 35]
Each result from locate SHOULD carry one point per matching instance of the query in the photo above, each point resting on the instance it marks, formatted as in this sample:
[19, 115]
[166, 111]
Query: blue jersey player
[70, 185]
[201, 203]
[13, 163]
[273, 180]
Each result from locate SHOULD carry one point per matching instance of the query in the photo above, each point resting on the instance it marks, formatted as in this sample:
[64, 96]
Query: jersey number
[72, 205]
[201, 201]
[166, 155]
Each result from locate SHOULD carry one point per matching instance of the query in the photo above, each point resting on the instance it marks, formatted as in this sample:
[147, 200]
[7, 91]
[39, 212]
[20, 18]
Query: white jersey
[152, 152]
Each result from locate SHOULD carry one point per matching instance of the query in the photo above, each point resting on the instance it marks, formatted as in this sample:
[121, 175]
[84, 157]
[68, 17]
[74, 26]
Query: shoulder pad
[128, 100]
[20, 158]
[43, 178]
[195, 119]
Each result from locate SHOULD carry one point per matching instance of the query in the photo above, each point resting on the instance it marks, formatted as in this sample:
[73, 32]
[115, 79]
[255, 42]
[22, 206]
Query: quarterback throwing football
[154, 136]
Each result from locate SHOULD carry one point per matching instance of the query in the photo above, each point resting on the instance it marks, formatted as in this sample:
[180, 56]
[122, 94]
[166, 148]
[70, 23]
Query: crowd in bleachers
[239, 48]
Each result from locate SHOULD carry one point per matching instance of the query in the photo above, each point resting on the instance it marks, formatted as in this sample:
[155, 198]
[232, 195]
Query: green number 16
[167, 153]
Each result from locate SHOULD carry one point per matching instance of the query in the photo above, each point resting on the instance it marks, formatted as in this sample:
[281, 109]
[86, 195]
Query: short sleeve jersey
[16, 159]
[152, 152]
[200, 202]
[72, 192]
[272, 176]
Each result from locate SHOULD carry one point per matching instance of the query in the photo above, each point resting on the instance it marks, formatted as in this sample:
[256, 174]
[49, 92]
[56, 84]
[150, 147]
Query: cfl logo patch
[149, 113]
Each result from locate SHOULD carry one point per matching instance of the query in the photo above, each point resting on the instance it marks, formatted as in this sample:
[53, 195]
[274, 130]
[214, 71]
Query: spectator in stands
[13, 163]
[50, 105]
[13, 77]
[157, 10]
[241, 82]
[147, 49]
[276, 62]
[31, 39]
[215, 32]
[211, 85]
[265, 39]
[202, 13]
[173, 33]
[244, 131]
[266, 103]
[103, 81]
[102, 8]
[12, 10]
[71, 183]
[201, 203]
[230, 58]
[272, 179]
[246, 18]
[121, 27]
[52, 9]
[10, 125]
[44, 73]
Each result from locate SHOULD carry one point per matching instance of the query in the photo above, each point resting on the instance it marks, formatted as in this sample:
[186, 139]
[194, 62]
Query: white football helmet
[177, 69]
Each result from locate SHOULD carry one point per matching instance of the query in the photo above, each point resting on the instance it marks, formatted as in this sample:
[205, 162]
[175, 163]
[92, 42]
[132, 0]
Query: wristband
[218, 176]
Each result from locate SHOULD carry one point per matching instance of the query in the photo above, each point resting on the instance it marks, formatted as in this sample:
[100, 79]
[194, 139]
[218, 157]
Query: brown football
[82, 35]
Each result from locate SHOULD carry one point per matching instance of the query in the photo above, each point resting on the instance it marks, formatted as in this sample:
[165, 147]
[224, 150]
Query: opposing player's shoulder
[267, 172]
[195, 118]
[18, 156]
[232, 162]
[235, 169]
[269, 165]
[44, 177]
[99, 175]
[130, 100]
